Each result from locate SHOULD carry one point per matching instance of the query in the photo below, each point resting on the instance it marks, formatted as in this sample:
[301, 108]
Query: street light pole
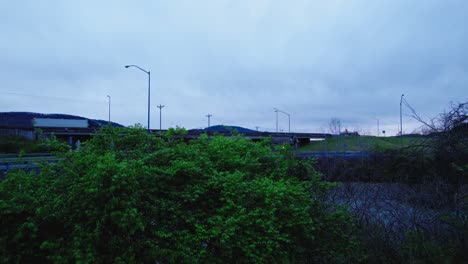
[289, 119]
[160, 115]
[149, 98]
[149, 89]
[108, 96]
[378, 128]
[401, 122]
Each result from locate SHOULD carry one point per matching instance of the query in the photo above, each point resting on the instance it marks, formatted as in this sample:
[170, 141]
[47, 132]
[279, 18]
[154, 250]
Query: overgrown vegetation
[127, 196]
[412, 202]
[19, 144]
[361, 143]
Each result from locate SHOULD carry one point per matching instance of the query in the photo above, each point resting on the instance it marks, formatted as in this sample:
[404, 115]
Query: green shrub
[127, 196]
[14, 144]
[18, 144]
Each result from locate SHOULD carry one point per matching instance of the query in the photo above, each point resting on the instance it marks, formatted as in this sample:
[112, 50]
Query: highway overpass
[72, 135]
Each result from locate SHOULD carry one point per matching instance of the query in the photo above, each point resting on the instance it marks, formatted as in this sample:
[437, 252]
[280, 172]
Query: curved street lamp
[149, 89]
[289, 119]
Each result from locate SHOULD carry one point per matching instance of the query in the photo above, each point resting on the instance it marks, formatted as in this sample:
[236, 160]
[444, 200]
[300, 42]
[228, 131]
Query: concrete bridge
[302, 139]
[72, 135]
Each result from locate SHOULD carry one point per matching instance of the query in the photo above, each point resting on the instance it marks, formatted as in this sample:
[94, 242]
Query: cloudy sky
[236, 60]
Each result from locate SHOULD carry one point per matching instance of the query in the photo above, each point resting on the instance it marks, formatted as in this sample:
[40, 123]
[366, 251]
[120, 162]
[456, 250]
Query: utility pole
[209, 116]
[160, 117]
[401, 122]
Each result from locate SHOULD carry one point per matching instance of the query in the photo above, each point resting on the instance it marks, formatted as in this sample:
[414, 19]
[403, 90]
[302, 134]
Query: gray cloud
[236, 60]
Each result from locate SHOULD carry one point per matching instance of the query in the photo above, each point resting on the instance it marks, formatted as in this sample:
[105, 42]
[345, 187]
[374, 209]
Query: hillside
[225, 129]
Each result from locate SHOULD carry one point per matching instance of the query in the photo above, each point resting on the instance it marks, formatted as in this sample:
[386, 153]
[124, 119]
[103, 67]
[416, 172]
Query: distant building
[60, 123]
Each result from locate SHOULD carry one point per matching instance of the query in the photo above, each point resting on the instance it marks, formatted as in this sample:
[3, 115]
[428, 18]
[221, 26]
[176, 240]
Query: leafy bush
[18, 144]
[127, 196]
[15, 144]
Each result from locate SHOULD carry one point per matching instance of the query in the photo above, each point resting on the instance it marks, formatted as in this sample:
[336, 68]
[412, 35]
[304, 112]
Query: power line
[54, 98]
[65, 99]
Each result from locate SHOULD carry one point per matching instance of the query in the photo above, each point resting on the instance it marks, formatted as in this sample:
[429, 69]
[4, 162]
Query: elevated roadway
[302, 139]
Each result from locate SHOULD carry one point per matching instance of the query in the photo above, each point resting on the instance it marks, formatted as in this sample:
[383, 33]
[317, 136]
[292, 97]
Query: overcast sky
[236, 60]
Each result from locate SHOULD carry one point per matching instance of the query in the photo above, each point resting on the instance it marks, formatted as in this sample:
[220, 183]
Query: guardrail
[27, 161]
[14, 155]
[332, 154]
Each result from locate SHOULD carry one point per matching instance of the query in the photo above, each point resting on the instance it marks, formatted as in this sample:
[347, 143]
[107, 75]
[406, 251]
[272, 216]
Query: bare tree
[448, 135]
[335, 126]
[446, 144]
[425, 194]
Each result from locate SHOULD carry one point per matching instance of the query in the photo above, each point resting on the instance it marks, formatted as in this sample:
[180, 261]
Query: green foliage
[173, 132]
[127, 196]
[19, 144]
[361, 143]
[15, 144]
[53, 145]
